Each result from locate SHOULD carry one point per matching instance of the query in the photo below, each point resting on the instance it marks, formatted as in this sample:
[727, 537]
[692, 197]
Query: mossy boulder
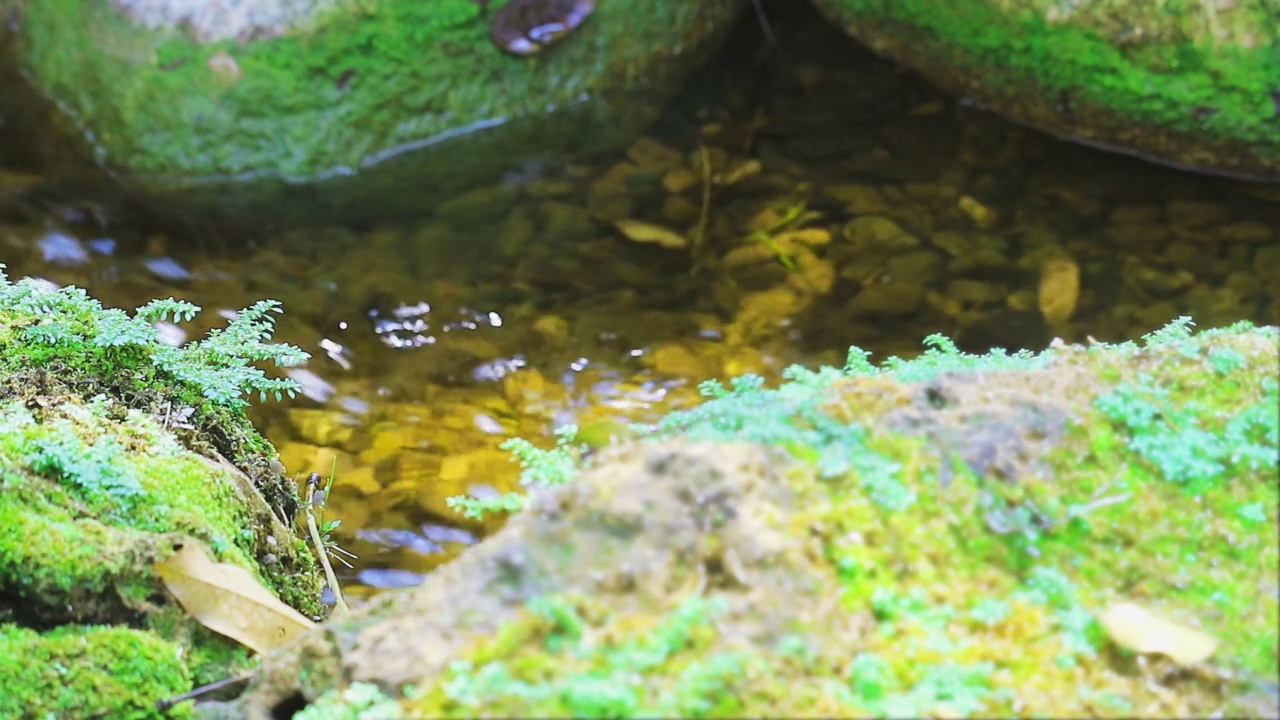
[1194, 83]
[109, 462]
[939, 537]
[344, 110]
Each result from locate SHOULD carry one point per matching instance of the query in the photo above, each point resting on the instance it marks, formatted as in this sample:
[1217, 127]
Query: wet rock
[860, 199]
[565, 222]
[472, 208]
[1078, 72]
[878, 233]
[1245, 231]
[895, 297]
[1195, 215]
[1146, 214]
[922, 267]
[322, 427]
[240, 124]
[1150, 281]
[973, 251]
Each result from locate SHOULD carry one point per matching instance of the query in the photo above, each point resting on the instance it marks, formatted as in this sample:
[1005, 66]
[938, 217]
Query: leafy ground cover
[115, 450]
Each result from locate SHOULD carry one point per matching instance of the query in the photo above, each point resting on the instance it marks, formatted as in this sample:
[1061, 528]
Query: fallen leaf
[229, 600]
[1133, 627]
[649, 233]
[1059, 290]
[739, 172]
[983, 217]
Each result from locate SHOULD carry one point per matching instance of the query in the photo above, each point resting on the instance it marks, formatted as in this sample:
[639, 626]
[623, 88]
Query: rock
[1245, 231]
[860, 199]
[919, 499]
[97, 489]
[568, 223]
[322, 110]
[1193, 86]
[463, 212]
[1196, 215]
[893, 297]
[876, 234]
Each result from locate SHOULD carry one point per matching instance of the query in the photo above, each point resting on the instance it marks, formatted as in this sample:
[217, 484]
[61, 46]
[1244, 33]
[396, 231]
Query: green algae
[1198, 94]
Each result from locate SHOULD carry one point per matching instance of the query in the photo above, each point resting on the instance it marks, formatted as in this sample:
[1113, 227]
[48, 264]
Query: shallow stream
[813, 197]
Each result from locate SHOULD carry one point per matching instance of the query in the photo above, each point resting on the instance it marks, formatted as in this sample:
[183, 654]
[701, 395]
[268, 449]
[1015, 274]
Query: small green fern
[67, 322]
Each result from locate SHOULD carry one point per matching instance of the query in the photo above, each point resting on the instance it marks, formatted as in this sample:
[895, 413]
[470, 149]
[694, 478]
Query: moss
[970, 527]
[80, 672]
[363, 86]
[1118, 74]
[95, 488]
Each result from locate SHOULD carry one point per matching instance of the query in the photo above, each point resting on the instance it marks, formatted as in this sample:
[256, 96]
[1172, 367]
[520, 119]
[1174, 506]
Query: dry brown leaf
[1059, 290]
[229, 600]
[649, 233]
[1133, 627]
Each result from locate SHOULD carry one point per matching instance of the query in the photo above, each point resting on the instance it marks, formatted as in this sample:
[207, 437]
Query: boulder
[949, 536]
[1194, 84]
[333, 110]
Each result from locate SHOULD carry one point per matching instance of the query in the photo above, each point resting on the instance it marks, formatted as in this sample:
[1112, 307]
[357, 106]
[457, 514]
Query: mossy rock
[345, 110]
[927, 538]
[1193, 83]
[107, 466]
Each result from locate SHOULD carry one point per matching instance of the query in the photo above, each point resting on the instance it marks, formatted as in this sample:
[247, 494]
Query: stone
[895, 298]
[1193, 86]
[305, 111]
[878, 233]
[1195, 215]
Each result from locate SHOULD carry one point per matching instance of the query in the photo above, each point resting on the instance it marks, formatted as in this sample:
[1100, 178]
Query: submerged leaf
[1059, 290]
[229, 600]
[649, 233]
[1133, 627]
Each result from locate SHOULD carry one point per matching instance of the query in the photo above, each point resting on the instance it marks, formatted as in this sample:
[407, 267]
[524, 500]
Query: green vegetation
[68, 327]
[104, 438]
[69, 672]
[975, 516]
[1194, 74]
[357, 86]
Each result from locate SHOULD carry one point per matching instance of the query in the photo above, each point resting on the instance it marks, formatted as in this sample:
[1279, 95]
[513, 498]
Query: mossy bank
[114, 451]
[325, 110]
[943, 536]
[1193, 83]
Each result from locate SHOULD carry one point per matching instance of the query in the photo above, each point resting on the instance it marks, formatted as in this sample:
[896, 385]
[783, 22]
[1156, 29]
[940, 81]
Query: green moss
[95, 487]
[366, 82]
[1169, 77]
[971, 544]
[639, 666]
[88, 672]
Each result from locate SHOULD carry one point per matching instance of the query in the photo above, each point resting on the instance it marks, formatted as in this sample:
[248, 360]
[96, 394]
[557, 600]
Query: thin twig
[340, 605]
[313, 482]
[167, 703]
[704, 217]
